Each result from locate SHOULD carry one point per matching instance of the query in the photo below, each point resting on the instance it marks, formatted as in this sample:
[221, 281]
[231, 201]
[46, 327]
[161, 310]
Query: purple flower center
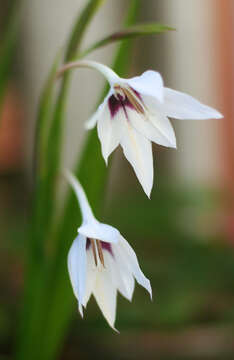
[125, 98]
[118, 102]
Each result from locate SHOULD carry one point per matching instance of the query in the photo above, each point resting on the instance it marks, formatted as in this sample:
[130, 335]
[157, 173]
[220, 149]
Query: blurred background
[184, 236]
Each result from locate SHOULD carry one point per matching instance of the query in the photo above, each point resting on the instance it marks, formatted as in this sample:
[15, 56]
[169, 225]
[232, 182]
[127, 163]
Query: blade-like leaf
[129, 33]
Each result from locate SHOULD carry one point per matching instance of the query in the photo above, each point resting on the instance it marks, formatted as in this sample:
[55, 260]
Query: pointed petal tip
[117, 331]
[88, 126]
[171, 143]
[214, 114]
[148, 192]
[149, 289]
[80, 308]
[91, 123]
[106, 160]
[219, 115]
[147, 187]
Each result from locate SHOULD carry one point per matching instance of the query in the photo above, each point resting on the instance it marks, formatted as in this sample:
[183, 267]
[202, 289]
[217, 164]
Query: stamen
[133, 100]
[94, 251]
[97, 252]
[100, 252]
[127, 92]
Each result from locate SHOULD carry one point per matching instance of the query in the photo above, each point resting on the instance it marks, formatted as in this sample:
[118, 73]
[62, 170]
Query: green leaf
[8, 48]
[80, 27]
[129, 33]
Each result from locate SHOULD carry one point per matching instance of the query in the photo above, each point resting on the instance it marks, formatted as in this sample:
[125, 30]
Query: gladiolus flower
[101, 262]
[135, 113]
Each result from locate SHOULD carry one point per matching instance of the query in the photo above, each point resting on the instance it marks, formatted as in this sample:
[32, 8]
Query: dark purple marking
[105, 246]
[117, 103]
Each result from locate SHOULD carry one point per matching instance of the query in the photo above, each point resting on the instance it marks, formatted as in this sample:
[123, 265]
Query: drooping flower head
[101, 262]
[135, 113]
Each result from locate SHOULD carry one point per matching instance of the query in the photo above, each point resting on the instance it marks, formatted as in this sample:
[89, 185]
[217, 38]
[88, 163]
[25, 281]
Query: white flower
[135, 113]
[101, 262]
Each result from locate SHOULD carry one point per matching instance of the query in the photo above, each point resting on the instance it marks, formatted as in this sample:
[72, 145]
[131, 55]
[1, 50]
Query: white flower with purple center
[101, 262]
[135, 113]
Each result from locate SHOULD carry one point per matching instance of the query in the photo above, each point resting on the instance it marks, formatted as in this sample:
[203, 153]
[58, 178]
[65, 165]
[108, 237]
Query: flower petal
[90, 124]
[120, 274]
[108, 132]
[182, 106]
[154, 126]
[90, 277]
[131, 258]
[138, 151]
[99, 231]
[105, 294]
[77, 268]
[149, 83]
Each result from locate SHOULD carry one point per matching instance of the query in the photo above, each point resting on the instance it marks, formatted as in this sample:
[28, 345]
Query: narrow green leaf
[80, 27]
[35, 255]
[129, 33]
[7, 49]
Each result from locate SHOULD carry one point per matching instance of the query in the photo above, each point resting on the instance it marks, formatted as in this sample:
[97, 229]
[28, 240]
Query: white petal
[105, 294]
[138, 151]
[155, 127]
[99, 231]
[131, 258]
[90, 277]
[182, 106]
[120, 274]
[77, 268]
[149, 83]
[108, 132]
[85, 208]
[90, 124]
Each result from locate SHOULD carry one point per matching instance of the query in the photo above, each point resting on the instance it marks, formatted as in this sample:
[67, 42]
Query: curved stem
[109, 74]
[85, 208]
